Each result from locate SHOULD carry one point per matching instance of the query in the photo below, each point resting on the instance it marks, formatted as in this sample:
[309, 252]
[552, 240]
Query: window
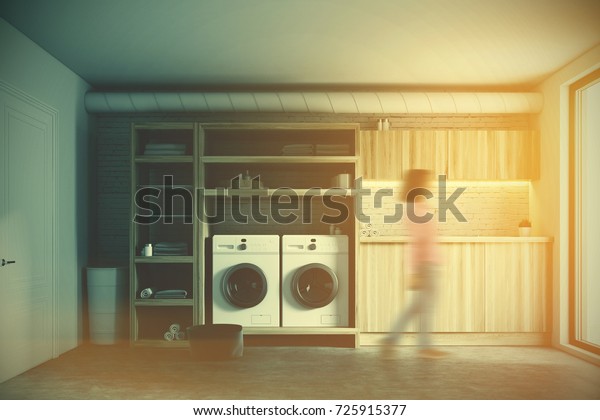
[584, 213]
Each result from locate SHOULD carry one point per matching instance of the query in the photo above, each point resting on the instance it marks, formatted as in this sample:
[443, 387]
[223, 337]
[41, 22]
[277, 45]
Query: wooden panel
[465, 339]
[380, 154]
[516, 156]
[471, 155]
[380, 293]
[426, 149]
[493, 154]
[483, 287]
[459, 304]
[516, 287]
[386, 155]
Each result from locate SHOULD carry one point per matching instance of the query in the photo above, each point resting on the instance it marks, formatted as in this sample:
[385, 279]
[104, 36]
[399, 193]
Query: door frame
[53, 202]
[574, 237]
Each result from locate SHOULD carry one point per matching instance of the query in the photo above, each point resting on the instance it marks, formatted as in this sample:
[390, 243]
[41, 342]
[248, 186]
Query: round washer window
[245, 285]
[314, 285]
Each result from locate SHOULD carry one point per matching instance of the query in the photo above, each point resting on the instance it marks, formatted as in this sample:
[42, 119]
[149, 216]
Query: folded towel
[171, 294]
[164, 149]
[165, 146]
[298, 146]
[164, 152]
[146, 293]
[170, 245]
[332, 150]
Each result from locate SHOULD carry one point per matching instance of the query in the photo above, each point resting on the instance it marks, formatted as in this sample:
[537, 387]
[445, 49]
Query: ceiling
[300, 44]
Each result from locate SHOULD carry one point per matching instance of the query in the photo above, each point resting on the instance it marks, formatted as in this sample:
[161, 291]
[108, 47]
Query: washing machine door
[314, 285]
[244, 285]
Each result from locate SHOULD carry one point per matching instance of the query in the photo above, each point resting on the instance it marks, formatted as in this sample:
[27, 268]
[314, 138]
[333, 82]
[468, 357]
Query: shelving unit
[294, 165]
[163, 184]
[291, 164]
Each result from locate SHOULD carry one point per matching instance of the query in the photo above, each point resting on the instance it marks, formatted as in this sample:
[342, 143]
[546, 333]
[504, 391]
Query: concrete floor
[309, 373]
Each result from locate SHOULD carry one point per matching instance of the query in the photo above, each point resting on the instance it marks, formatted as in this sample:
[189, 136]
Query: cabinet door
[386, 155]
[516, 287]
[459, 302]
[493, 154]
[381, 293]
[380, 154]
[516, 154]
[471, 155]
[426, 149]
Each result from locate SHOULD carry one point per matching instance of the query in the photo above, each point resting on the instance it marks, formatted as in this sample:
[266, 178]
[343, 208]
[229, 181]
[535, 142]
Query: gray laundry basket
[108, 304]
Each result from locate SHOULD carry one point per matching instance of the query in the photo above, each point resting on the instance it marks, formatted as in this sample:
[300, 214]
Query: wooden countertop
[454, 239]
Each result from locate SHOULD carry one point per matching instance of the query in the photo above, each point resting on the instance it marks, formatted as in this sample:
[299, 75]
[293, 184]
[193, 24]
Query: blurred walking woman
[423, 258]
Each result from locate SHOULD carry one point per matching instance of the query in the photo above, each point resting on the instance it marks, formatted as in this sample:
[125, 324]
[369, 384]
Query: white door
[26, 234]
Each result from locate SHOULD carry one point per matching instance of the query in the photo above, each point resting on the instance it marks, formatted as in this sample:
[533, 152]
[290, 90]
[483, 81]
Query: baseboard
[580, 353]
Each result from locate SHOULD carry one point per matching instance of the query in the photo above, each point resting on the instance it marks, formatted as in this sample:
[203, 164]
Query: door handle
[4, 262]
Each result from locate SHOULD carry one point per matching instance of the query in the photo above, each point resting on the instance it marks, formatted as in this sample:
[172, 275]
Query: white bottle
[148, 250]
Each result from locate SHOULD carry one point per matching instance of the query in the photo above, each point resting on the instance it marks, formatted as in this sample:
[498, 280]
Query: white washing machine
[314, 281]
[245, 280]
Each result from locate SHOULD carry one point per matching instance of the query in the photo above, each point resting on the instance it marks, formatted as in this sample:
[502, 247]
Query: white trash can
[108, 304]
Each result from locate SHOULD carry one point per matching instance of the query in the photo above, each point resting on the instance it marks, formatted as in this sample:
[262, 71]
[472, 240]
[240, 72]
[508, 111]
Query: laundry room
[258, 200]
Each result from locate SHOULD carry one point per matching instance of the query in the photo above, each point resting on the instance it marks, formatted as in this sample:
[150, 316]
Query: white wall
[550, 195]
[28, 68]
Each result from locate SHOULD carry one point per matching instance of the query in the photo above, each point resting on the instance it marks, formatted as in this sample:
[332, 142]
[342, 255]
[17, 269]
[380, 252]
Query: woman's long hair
[416, 182]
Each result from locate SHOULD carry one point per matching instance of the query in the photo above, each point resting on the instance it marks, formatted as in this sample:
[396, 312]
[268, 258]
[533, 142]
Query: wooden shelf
[161, 186]
[163, 259]
[163, 302]
[164, 271]
[216, 154]
[279, 159]
[229, 192]
[164, 159]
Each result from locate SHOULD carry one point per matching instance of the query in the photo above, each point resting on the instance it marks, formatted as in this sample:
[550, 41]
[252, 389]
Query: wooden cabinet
[460, 302]
[493, 155]
[517, 289]
[164, 290]
[383, 272]
[460, 154]
[483, 287]
[426, 149]
[381, 290]
[387, 155]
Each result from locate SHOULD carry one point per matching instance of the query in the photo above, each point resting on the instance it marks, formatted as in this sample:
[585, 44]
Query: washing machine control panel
[326, 244]
[232, 244]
